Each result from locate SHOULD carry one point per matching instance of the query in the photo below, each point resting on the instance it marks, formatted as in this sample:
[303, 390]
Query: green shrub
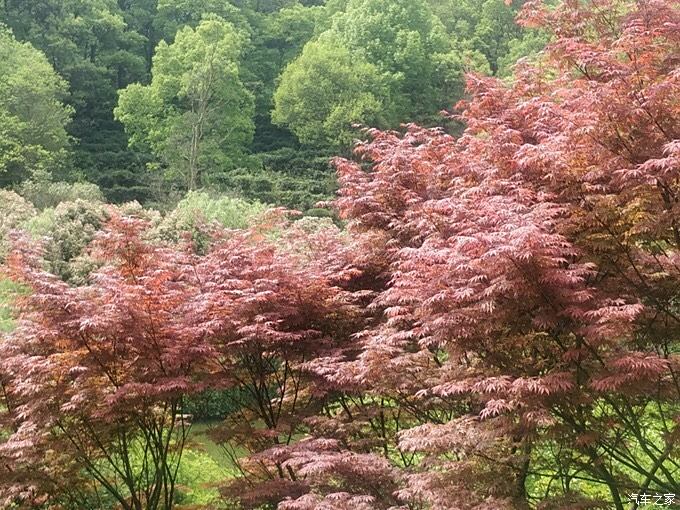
[195, 214]
[292, 178]
[45, 194]
[320, 213]
[67, 231]
[136, 210]
[214, 404]
[14, 211]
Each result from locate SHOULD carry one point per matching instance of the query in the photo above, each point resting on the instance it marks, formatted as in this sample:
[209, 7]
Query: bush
[67, 230]
[15, 211]
[195, 213]
[45, 194]
[136, 210]
[297, 179]
[214, 404]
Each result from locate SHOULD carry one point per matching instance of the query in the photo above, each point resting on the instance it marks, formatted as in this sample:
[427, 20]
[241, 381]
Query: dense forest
[339, 254]
[150, 98]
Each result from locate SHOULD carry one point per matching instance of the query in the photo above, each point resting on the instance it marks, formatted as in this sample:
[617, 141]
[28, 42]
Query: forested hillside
[150, 98]
[339, 255]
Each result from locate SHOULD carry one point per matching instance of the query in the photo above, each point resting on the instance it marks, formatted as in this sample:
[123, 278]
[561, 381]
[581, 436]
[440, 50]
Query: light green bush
[67, 230]
[198, 211]
[136, 210]
[44, 194]
[14, 211]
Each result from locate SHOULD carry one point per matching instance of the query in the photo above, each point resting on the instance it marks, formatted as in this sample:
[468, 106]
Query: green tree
[195, 115]
[528, 46]
[268, 6]
[278, 38]
[290, 28]
[33, 119]
[403, 38]
[325, 91]
[140, 17]
[495, 30]
[489, 28]
[408, 69]
[92, 48]
[173, 15]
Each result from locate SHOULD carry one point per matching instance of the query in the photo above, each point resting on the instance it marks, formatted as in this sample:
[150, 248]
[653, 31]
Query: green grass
[8, 292]
[204, 467]
[198, 480]
[200, 439]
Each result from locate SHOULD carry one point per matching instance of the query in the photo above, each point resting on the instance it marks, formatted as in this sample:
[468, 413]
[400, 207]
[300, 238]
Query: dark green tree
[33, 118]
[381, 62]
[89, 45]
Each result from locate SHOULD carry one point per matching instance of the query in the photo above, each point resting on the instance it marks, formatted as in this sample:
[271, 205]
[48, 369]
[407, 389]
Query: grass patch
[204, 467]
[9, 290]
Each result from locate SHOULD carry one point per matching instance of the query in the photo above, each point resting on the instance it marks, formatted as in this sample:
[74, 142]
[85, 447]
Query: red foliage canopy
[497, 327]
[533, 270]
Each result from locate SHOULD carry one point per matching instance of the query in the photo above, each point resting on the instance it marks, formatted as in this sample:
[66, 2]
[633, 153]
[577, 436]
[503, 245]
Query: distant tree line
[149, 98]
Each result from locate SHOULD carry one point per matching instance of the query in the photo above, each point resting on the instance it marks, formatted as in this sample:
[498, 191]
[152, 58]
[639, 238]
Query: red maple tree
[495, 328]
[267, 307]
[530, 321]
[95, 377]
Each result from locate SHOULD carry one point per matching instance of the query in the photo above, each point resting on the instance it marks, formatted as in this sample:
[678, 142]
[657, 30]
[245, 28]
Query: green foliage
[196, 115]
[121, 173]
[294, 178]
[90, 45]
[228, 211]
[194, 215]
[527, 46]
[277, 38]
[379, 63]
[327, 90]
[14, 212]
[33, 138]
[39, 225]
[205, 466]
[140, 18]
[402, 38]
[197, 481]
[67, 230]
[44, 194]
[290, 28]
[373, 62]
[173, 15]
[488, 26]
[136, 210]
[269, 6]
[213, 404]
